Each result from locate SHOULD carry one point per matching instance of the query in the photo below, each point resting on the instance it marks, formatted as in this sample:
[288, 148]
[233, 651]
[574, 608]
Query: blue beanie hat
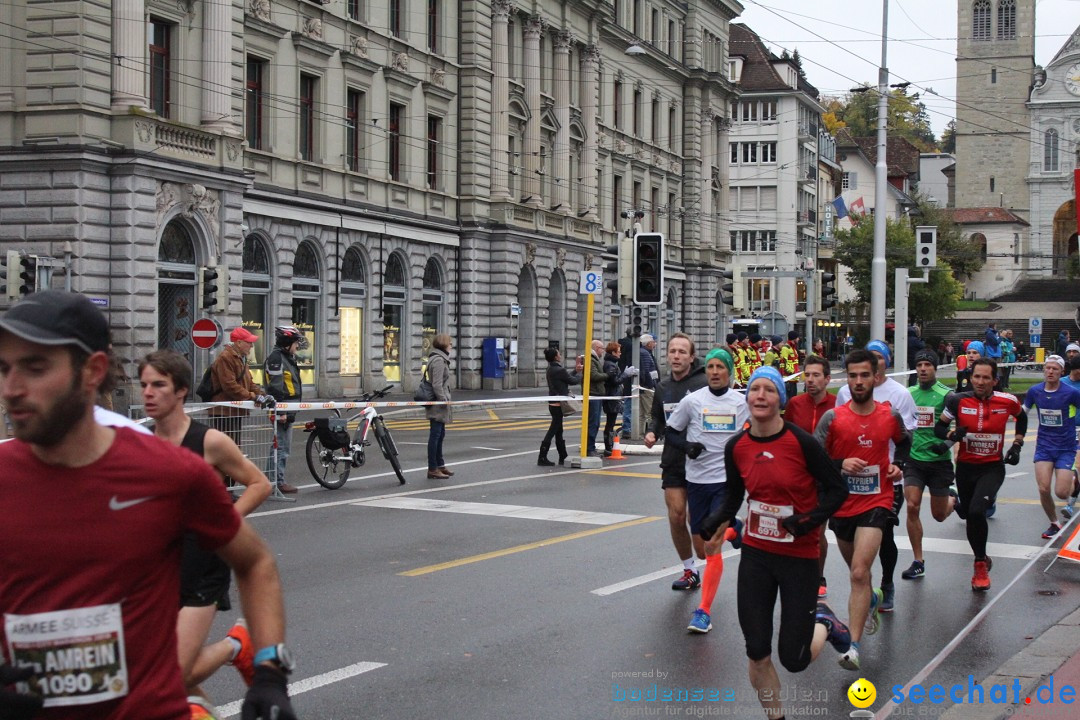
[978, 346]
[881, 347]
[772, 375]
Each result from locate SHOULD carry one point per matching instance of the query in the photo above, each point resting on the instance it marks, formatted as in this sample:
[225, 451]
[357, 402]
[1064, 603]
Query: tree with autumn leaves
[858, 111]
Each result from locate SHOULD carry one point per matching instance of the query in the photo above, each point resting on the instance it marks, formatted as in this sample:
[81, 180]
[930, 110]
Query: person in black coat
[559, 380]
[617, 374]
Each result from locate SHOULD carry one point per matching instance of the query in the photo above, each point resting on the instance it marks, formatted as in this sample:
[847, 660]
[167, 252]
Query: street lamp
[634, 49]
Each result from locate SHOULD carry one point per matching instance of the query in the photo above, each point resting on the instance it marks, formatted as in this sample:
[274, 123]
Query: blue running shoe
[700, 622]
[737, 526]
[839, 635]
[873, 619]
[888, 595]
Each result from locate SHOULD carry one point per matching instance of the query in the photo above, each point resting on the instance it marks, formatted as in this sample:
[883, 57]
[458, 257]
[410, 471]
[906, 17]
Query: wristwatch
[278, 655]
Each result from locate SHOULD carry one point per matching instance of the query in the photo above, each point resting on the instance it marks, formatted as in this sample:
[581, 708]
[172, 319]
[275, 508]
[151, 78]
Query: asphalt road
[474, 598]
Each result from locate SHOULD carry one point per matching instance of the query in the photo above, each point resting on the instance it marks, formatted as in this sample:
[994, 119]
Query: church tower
[995, 64]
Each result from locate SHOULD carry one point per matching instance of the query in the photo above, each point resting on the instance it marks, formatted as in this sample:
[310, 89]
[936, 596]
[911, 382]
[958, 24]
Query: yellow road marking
[522, 548]
[619, 473]
[491, 414]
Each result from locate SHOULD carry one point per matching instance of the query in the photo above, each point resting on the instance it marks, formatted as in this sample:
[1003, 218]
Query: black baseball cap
[55, 317]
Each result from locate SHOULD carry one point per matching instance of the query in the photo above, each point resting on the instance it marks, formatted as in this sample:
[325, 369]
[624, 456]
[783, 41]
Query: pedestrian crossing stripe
[584, 517]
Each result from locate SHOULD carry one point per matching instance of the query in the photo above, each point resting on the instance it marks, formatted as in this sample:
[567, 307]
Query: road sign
[592, 283]
[205, 333]
[1036, 340]
[1035, 325]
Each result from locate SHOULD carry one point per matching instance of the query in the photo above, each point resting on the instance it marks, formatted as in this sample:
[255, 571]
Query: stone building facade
[372, 172]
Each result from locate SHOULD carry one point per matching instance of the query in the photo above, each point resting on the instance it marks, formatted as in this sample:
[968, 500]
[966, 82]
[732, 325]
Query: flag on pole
[841, 208]
[857, 207]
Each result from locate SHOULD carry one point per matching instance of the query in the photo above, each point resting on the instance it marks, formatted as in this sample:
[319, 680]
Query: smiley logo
[862, 693]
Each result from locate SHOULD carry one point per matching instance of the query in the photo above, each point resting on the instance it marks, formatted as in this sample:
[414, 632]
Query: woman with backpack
[438, 374]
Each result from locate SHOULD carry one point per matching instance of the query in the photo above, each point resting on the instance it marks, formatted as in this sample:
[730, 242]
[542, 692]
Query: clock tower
[995, 69]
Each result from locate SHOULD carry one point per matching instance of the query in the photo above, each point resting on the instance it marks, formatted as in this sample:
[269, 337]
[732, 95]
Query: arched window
[395, 285]
[980, 242]
[1006, 20]
[305, 265]
[176, 245]
[177, 279]
[353, 292]
[1050, 151]
[432, 319]
[352, 267]
[255, 281]
[256, 260]
[307, 297]
[980, 20]
[395, 272]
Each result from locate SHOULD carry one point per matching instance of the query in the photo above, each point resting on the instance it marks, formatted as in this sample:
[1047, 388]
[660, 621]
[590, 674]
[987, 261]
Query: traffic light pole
[808, 337]
[586, 460]
[901, 319]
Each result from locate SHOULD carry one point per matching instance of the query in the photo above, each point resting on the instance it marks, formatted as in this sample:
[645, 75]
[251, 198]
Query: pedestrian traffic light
[727, 289]
[926, 246]
[8, 275]
[648, 278]
[209, 290]
[636, 323]
[27, 275]
[828, 290]
[222, 294]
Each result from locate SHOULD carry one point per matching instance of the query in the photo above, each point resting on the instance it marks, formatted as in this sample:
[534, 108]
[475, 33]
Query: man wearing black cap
[73, 497]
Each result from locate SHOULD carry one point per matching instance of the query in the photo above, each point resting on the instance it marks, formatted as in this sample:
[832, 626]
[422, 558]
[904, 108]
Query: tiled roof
[758, 73]
[903, 157]
[983, 216]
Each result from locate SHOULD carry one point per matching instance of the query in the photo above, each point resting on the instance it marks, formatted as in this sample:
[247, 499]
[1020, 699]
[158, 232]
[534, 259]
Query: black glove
[938, 448]
[959, 433]
[1013, 456]
[798, 524]
[266, 401]
[268, 697]
[693, 449]
[710, 525]
[15, 705]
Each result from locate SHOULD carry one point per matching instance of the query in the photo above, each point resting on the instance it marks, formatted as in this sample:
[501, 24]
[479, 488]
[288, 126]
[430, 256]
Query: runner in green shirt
[929, 466]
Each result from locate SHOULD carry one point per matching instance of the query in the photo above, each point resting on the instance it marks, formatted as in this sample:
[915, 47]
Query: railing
[185, 140]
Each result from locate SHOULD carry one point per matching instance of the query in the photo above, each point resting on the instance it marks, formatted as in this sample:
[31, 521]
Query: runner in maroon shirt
[804, 411]
[791, 488]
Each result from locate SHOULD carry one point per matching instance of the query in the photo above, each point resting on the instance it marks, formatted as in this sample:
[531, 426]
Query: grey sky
[921, 48]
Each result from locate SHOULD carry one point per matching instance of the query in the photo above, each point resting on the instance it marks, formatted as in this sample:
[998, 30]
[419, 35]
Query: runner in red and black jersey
[981, 417]
[791, 488]
[857, 436]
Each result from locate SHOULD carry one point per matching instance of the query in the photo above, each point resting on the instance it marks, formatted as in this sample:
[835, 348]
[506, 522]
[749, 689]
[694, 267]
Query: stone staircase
[957, 330]
[1056, 290]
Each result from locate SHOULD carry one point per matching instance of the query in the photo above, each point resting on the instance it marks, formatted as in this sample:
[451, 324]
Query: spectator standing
[789, 362]
[950, 353]
[283, 383]
[232, 381]
[1008, 356]
[992, 342]
[438, 372]
[1063, 342]
[598, 380]
[626, 358]
[559, 380]
[615, 378]
[650, 373]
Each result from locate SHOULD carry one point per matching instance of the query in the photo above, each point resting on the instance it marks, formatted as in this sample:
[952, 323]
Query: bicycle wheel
[330, 468]
[389, 449]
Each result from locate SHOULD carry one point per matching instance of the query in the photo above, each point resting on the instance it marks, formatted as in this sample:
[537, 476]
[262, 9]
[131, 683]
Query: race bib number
[712, 422]
[925, 417]
[983, 444]
[77, 655]
[1050, 418]
[865, 482]
[764, 521]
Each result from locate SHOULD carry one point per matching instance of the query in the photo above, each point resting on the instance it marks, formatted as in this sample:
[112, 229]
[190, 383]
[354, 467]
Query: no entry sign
[205, 333]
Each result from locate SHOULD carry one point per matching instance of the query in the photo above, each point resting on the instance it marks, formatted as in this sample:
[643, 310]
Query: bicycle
[332, 453]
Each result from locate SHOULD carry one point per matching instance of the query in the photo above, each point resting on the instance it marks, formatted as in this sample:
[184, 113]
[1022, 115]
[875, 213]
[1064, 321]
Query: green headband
[725, 357]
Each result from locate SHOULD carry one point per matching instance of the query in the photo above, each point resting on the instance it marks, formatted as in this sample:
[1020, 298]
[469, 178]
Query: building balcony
[808, 174]
[808, 131]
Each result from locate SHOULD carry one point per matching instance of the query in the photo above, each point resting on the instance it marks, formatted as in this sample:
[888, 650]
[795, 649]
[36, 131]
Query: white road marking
[477, 447]
[399, 442]
[511, 511]
[930, 545]
[1016, 474]
[311, 683]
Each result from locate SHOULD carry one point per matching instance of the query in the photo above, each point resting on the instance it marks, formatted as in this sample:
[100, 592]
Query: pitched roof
[902, 158]
[983, 216]
[758, 73]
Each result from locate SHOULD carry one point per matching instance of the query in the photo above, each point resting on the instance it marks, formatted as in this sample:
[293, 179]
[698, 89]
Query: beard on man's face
[51, 425]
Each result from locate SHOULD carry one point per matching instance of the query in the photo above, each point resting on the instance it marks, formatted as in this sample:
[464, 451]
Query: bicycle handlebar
[376, 394]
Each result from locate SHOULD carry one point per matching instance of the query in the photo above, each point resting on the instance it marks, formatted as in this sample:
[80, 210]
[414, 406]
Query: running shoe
[873, 619]
[850, 659]
[839, 635]
[957, 507]
[823, 589]
[700, 622]
[1069, 509]
[244, 662]
[690, 580]
[991, 510]
[200, 709]
[1051, 531]
[916, 571]
[737, 526]
[980, 581]
[888, 597]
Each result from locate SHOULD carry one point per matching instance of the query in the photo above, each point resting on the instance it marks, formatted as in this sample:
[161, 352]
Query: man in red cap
[231, 381]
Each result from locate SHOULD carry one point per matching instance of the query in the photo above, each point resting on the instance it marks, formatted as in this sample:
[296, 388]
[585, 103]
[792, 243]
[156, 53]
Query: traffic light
[636, 320]
[828, 290]
[222, 295]
[926, 246]
[8, 275]
[27, 275]
[619, 269]
[727, 289]
[209, 290]
[648, 277]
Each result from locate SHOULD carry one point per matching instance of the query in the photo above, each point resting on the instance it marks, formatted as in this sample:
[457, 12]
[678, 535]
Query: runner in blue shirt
[1072, 362]
[1055, 448]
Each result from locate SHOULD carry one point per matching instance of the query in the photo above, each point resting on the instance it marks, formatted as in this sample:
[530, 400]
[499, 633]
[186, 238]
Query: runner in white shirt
[888, 390]
[704, 421]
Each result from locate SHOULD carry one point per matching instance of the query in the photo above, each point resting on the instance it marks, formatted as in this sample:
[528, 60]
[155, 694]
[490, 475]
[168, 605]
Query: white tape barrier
[353, 405]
